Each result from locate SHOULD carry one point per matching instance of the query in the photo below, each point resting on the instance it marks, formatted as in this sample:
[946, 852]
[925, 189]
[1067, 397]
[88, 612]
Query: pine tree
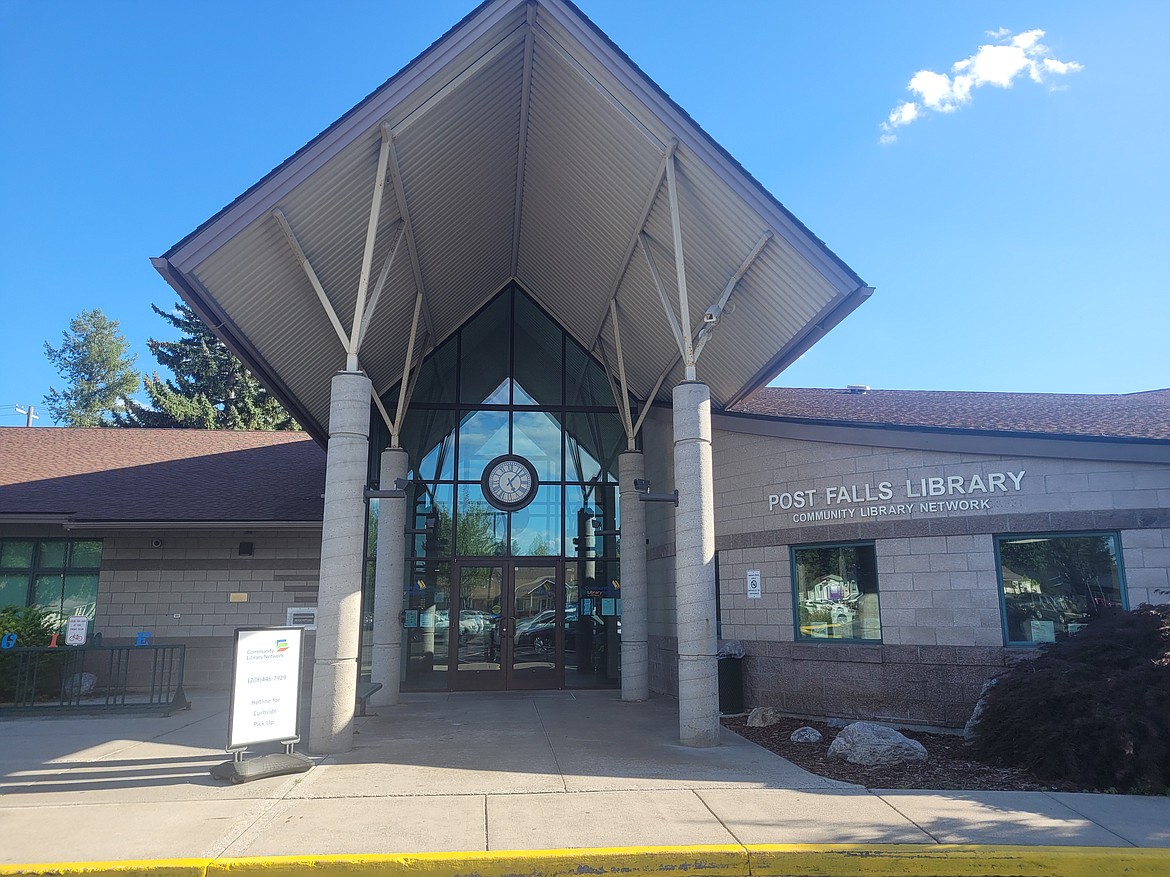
[211, 388]
[95, 362]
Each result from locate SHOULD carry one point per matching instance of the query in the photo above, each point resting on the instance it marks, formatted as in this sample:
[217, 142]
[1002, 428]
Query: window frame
[798, 636]
[37, 568]
[999, 538]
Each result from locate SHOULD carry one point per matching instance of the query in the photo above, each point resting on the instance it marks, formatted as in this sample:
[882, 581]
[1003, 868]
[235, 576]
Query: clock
[509, 482]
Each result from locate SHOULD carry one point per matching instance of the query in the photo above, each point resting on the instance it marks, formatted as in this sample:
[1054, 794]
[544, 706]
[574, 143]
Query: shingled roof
[1115, 416]
[160, 475]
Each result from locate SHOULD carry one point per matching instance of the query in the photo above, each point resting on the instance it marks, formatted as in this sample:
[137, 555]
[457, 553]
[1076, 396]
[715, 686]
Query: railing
[93, 678]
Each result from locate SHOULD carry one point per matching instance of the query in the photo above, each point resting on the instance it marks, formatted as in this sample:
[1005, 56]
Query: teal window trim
[999, 539]
[797, 634]
[38, 568]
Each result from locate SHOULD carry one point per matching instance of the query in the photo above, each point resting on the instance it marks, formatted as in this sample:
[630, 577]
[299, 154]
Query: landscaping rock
[806, 735]
[762, 717]
[868, 743]
[79, 685]
[977, 713]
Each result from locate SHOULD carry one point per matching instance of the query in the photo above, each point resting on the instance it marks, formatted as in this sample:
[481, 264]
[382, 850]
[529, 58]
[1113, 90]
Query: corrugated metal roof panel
[592, 148]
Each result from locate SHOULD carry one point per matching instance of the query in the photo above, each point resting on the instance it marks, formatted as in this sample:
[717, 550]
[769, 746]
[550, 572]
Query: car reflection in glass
[538, 633]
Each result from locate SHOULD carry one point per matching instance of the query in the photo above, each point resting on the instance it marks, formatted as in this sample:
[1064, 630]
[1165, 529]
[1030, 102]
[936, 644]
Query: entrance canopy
[522, 146]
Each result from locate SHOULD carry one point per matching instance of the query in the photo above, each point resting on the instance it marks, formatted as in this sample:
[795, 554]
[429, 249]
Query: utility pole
[31, 412]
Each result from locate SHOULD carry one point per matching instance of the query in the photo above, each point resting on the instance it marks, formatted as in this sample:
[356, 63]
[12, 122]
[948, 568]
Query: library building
[526, 312]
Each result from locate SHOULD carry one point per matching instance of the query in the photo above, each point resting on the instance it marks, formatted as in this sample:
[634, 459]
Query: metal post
[635, 608]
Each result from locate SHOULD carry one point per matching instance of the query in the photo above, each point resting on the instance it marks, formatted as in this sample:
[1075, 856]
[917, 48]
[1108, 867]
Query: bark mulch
[948, 766]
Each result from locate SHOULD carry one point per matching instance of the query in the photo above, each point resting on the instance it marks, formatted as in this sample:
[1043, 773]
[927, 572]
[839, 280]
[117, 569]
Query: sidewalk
[475, 773]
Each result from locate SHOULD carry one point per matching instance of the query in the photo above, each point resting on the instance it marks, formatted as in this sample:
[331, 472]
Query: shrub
[1093, 710]
[33, 627]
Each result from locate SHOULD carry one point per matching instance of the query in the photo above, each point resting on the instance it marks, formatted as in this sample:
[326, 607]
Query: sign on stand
[266, 687]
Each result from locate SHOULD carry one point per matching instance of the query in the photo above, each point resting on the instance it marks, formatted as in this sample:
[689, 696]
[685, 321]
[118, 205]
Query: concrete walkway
[483, 772]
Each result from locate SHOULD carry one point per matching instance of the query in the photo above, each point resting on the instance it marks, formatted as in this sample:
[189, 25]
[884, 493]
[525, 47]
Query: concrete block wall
[177, 585]
[939, 601]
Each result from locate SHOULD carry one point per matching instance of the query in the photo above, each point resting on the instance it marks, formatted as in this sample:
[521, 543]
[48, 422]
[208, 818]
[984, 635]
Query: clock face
[509, 482]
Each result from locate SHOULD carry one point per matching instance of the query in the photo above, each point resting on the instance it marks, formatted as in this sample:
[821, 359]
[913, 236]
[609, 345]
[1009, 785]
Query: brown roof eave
[947, 430]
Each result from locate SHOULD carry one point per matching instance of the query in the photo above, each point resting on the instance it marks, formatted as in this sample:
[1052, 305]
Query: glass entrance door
[510, 625]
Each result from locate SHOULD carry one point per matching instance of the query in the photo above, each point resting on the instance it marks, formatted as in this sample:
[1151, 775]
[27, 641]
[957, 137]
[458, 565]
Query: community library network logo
[281, 645]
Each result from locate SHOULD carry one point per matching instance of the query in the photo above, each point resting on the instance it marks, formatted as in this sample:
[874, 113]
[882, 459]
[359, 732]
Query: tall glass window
[57, 575]
[1052, 584]
[511, 381]
[836, 592]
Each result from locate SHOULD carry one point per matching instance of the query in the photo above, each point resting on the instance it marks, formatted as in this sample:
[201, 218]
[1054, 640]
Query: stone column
[386, 655]
[635, 610]
[339, 598]
[694, 564]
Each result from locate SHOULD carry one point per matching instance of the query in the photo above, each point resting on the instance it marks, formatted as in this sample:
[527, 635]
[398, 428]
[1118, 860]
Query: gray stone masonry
[941, 626]
[177, 585]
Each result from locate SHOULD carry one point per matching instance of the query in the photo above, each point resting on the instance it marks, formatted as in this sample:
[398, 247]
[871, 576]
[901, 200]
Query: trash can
[731, 677]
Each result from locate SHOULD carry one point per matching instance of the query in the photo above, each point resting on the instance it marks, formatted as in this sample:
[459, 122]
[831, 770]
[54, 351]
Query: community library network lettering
[841, 502]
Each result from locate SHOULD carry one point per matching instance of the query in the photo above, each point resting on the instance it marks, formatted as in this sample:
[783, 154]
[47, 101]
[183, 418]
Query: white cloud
[1000, 65]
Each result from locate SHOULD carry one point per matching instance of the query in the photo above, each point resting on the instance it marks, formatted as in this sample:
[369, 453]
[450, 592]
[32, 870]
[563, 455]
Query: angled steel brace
[396, 428]
[411, 247]
[624, 402]
[371, 237]
[680, 269]
[307, 266]
[643, 217]
[376, 294]
[716, 310]
[683, 346]
[622, 406]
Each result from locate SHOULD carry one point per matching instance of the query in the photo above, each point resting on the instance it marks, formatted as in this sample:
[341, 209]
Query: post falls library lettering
[526, 311]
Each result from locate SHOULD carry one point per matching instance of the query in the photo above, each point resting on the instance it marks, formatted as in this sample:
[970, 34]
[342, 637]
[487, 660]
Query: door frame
[507, 677]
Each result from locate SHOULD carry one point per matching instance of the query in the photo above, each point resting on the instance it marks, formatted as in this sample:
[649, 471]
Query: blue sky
[1017, 242]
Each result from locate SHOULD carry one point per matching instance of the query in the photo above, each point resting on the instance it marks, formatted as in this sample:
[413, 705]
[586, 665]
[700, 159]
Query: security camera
[156, 543]
[711, 314]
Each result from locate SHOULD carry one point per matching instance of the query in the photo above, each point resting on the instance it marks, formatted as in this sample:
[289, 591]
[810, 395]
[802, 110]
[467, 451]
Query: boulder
[762, 717]
[977, 713]
[868, 743]
[805, 735]
[79, 685]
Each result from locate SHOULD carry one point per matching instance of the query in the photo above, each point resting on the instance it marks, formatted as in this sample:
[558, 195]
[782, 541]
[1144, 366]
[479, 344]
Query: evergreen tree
[211, 388]
[95, 361]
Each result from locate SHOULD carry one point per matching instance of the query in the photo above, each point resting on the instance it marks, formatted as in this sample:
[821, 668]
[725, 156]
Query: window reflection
[536, 529]
[1053, 585]
[537, 436]
[836, 592]
[483, 435]
[481, 530]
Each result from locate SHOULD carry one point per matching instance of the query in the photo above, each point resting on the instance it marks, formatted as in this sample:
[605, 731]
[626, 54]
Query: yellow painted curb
[762, 860]
[953, 860]
[154, 867]
[712, 861]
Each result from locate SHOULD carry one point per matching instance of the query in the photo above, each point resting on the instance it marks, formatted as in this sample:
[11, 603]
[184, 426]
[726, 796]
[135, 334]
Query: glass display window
[836, 592]
[1053, 584]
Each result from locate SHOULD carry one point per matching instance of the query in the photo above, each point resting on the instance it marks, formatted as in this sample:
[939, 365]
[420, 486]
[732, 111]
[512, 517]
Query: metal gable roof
[524, 146]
